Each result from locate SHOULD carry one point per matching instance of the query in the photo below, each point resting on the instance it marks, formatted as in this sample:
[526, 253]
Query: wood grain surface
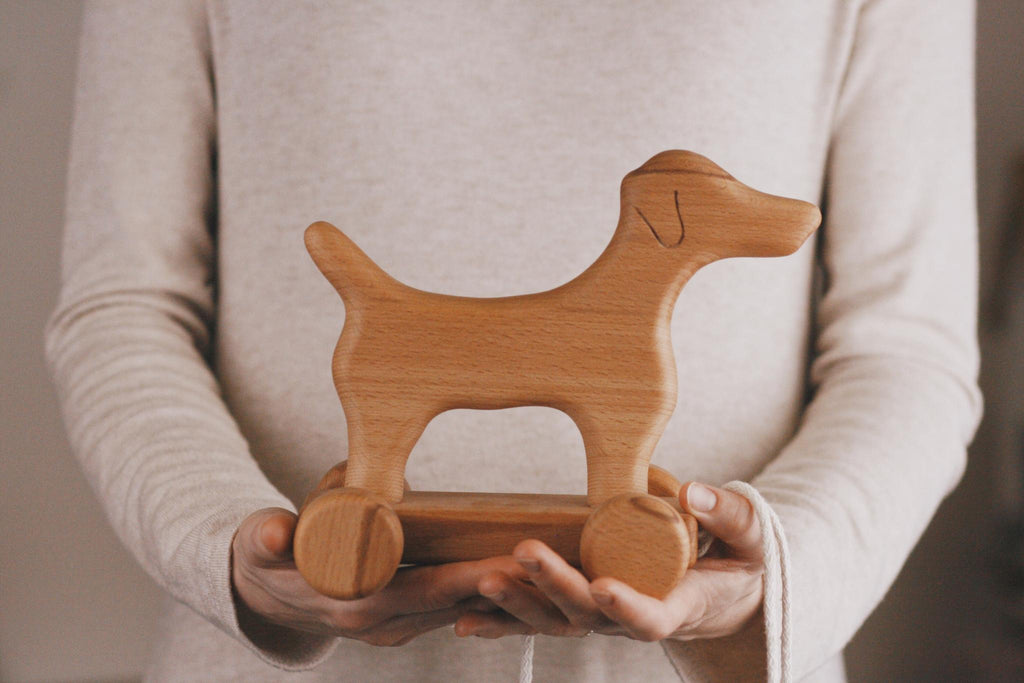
[638, 539]
[596, 348]
[348, 543]
[438, 527]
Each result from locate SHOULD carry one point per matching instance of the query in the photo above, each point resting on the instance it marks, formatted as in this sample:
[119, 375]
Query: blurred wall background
[73, 605]
[956, 613]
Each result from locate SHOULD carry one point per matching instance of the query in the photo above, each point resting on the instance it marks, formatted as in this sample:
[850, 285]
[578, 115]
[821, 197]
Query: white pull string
[778, 625]
[526, 661]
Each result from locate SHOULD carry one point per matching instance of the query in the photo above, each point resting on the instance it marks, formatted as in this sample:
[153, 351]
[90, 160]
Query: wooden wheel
[348, 543]
[661, 483]
[640, 540]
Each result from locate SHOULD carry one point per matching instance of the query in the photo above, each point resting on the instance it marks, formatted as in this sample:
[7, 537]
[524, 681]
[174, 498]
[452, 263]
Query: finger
[641, 616]
[491, 625]
[566, 587]
[276, 533]
[402, 629]
[726, 515]
[425, 589]
[265, 537]
[527, 604]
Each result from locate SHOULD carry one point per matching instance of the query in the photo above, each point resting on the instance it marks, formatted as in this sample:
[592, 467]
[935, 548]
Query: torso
[476, 150]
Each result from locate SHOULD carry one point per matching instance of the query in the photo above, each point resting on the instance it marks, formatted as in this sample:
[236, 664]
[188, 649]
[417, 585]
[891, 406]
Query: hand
[716, 597]
[270, 591]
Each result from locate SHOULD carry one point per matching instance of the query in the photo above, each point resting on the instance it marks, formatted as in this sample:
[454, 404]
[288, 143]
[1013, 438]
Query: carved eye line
[682, 227]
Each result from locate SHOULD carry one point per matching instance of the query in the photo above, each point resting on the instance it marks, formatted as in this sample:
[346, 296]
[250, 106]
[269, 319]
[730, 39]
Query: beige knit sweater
[476, 148]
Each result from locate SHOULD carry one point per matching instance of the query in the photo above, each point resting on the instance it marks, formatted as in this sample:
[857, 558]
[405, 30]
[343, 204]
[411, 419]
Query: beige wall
[73, 606]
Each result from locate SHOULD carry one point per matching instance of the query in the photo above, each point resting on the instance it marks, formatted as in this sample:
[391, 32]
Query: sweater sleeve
[129, 341]
[896, 401]
[894, 378]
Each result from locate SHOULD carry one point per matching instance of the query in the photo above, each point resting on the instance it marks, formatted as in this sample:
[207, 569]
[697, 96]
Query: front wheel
[640, 540]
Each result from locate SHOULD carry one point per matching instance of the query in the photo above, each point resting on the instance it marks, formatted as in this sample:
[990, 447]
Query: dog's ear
[667, 226]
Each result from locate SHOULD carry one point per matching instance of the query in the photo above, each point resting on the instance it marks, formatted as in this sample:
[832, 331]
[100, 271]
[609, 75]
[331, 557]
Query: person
[477, 149]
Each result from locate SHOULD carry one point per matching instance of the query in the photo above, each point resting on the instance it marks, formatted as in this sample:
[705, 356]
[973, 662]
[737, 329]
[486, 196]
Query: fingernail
[497, 596]
[602, 598]
[701, 498]
[529, 564]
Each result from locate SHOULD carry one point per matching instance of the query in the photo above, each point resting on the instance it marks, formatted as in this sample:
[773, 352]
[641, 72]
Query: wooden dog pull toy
[596, 348]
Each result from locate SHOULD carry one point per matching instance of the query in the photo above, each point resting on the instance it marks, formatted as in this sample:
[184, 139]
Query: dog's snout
[793, 222]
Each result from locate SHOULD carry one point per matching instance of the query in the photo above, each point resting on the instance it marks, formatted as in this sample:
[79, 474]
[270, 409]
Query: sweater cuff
[279, 646]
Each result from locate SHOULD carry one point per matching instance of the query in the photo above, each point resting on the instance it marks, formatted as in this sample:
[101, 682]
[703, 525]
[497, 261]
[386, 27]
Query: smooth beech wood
[638, 539]
[596, 348]
[660, 482]
[348, 543]
[441, 527]
[449, 527]
[335, 478]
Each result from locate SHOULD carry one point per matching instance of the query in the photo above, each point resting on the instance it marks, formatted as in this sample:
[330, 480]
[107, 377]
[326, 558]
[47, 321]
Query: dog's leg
[381, 436]
[619, 447]
[627, 522]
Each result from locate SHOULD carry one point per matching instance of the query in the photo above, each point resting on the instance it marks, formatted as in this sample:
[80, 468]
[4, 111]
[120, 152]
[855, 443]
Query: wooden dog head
[682, 199]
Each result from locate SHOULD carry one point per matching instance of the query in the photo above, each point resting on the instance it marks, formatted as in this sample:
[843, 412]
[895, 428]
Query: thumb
[727, 516]
[265, 537]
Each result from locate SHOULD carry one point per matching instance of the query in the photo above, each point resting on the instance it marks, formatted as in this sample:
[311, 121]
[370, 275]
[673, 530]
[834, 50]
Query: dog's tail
[354, 274]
